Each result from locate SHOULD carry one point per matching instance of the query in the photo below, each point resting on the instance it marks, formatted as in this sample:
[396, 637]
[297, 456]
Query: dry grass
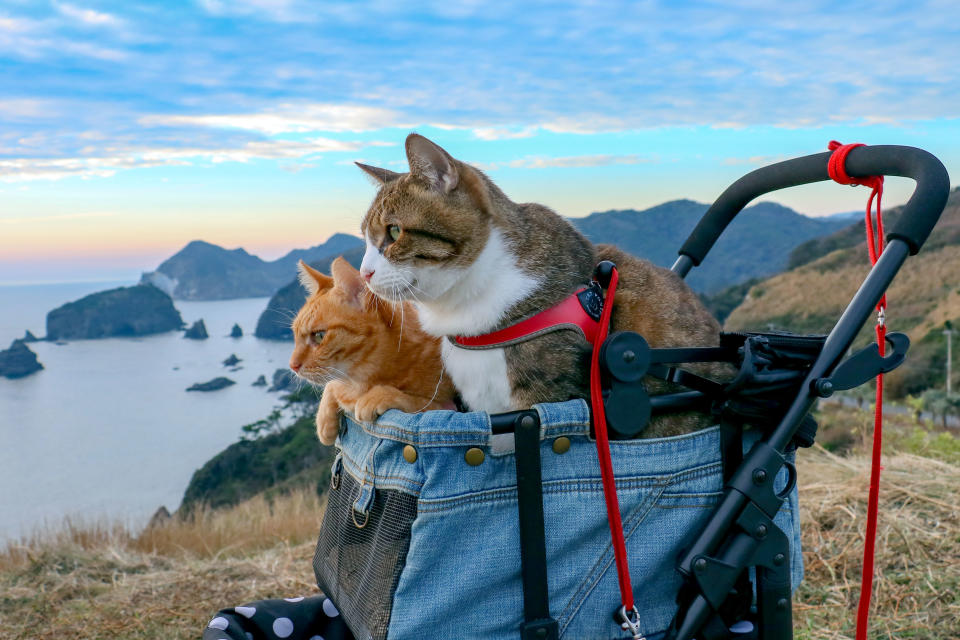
[917, 576]
[97, 581]
[86, 582]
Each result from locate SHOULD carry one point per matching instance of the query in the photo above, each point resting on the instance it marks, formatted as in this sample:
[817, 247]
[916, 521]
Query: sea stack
[232, 360]
[198, 331]
[236, 332]
[18, 361]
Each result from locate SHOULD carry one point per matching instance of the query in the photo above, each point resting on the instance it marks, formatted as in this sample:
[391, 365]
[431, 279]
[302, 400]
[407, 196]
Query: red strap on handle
[835, 167]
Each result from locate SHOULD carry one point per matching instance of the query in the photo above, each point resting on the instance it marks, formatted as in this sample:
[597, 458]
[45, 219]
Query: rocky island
[18, 361]
[212, 385]
[198, 331]
[126, 311]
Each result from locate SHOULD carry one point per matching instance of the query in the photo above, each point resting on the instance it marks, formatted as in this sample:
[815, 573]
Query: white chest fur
[480, 376]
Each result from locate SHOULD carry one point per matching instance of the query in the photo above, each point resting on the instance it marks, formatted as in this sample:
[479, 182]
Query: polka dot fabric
[313, 618]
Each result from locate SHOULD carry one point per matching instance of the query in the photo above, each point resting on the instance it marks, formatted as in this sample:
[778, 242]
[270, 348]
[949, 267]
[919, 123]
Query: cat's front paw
[328, 424]
[374, 403]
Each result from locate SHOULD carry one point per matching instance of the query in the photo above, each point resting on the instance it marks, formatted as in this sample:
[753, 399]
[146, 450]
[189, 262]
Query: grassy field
[87, 581]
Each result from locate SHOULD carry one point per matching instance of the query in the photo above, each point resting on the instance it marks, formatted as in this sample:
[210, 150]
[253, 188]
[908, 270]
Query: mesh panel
[359, 567]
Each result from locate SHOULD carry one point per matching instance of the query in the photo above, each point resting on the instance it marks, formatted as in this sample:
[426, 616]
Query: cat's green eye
[317, 336]
[394, 232]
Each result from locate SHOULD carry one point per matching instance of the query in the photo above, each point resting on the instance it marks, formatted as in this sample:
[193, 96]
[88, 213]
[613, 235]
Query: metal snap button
[561, 445]
[410, 453]
[474, 456]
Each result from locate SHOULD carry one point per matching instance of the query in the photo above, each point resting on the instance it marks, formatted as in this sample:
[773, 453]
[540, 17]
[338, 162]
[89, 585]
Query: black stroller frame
[740, 532]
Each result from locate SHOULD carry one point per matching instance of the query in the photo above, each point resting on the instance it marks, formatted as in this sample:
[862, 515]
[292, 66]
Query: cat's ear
[311, 279]
[383, 176]
[431, 163]
[348, 279]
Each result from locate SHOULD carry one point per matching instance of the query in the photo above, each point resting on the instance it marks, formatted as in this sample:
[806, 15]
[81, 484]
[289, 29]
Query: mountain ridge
[204, 271]
[755, 245]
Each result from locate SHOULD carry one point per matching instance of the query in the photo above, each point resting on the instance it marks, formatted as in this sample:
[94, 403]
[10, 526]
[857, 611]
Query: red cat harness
[580, 311]
[585, 312]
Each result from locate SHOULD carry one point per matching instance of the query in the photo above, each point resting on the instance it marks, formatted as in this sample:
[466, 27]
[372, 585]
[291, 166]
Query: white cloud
[541, 162]
[27, 108]
[89, 16]
[29, 169]
[16, 25]
[494, 133]
[290, 118]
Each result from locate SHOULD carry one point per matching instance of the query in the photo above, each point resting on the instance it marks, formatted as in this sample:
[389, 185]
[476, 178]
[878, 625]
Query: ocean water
[107, 429]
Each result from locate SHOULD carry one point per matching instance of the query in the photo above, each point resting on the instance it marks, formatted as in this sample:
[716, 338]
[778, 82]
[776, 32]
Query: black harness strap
[538, 625]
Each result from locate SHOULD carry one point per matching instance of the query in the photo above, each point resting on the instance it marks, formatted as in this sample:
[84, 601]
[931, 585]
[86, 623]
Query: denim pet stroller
[469, 525]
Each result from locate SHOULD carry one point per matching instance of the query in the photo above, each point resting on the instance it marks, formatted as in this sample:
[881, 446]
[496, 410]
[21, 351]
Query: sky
[128, 129]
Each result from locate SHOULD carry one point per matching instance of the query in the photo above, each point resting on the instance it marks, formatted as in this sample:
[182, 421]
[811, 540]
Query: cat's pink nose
[366, 274]
[296, 366]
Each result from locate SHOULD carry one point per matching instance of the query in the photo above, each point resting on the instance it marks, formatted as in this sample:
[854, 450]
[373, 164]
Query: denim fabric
[462, 572]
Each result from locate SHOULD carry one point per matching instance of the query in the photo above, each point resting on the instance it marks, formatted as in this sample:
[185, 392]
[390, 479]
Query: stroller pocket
[362, 548]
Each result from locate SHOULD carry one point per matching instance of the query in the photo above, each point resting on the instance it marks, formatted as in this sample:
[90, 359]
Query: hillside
[204, 271]
[274, 463]
[924, 295]
[757, 243]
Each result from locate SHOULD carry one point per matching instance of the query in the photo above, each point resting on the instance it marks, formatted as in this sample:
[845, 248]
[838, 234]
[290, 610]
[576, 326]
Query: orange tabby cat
[370, 354]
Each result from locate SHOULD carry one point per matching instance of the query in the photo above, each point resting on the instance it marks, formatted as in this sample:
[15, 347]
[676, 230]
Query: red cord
[835, 167]
[603, 452]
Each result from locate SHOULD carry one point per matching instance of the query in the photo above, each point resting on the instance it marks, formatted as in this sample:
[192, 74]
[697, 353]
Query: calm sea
[107, 429]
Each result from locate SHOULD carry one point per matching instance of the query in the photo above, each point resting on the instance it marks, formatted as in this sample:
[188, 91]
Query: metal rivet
[527, 422]
[700, 564]
[759, 476]
[761, 531]
[778, 559]
[783, 604]
[561, 444]
[474, 456]
[410, 453]
[629, 356]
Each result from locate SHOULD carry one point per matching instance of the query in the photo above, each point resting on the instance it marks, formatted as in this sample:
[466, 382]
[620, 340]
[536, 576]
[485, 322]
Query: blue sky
[128, 129]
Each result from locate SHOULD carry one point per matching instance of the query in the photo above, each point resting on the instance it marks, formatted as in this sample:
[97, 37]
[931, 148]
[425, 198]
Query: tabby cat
[370, 354]
[473, 261]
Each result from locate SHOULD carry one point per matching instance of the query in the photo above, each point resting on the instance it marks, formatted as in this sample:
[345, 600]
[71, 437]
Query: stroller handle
[920, 213]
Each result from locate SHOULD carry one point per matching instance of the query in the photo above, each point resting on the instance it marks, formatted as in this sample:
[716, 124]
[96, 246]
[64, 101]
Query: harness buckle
[630, 621]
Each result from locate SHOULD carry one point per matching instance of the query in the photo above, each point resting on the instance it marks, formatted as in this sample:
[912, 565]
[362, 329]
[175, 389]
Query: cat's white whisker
[436, 391]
